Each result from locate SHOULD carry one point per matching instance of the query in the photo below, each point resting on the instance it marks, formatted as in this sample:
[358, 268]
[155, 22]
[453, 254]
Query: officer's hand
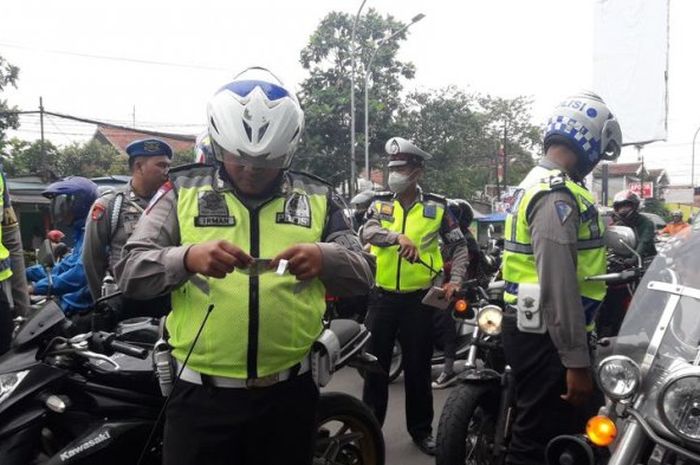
[407, 249]
[305, 261]
[449, 289]
[216, 258]
[579, 385]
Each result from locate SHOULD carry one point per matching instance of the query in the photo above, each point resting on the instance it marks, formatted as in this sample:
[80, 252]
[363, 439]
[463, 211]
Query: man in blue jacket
[71, 199]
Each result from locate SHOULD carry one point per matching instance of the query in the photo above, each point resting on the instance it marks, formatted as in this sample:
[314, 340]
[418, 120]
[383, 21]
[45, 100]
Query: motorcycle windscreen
[48, 317]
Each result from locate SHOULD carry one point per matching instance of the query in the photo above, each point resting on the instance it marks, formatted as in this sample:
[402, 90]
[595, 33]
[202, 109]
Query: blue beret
[149, 148]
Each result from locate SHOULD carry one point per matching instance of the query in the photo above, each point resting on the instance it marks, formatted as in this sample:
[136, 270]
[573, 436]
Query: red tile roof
[120, 138]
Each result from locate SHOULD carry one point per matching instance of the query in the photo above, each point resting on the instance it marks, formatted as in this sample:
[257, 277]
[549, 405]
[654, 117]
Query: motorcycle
[475, 421]
[94, 398]
[650, 376]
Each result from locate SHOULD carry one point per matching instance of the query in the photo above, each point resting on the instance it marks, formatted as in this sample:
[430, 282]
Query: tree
[26, 159]
[463, 132]
[91, 159]
[8, 116]
[325, 95]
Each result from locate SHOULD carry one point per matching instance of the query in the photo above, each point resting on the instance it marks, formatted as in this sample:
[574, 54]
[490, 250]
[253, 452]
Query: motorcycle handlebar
[128, 349]
[615, 277]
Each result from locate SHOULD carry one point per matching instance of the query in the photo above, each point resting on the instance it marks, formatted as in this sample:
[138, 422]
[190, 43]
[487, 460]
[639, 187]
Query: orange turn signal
[461, 306]
[601, 430]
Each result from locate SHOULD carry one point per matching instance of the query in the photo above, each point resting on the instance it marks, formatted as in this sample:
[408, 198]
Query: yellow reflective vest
[5, 262]
[421, 223]
[260, 325]
[518, 258]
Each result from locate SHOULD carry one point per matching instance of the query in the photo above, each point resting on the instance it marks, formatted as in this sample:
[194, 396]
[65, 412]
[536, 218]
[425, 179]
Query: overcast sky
[502, 47]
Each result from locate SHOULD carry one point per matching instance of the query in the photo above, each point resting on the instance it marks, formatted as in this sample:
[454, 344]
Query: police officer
[553, 240]
[403, 227]
[114, 216]
[8, 233]
[246, 395]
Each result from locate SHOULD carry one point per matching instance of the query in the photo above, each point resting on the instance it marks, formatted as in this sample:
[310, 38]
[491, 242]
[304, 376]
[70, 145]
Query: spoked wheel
[347, 432]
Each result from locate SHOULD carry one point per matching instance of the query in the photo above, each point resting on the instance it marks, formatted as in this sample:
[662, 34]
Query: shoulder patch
[164, 189]
[98, 211]
[564, 210]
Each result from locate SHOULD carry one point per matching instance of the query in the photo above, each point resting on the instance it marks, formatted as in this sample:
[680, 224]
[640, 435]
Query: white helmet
[584, 123]
[255, 121]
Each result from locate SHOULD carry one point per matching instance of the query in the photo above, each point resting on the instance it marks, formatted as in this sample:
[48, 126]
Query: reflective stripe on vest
[422, 225]
[518, 260]
[262, 324]
[5, 262]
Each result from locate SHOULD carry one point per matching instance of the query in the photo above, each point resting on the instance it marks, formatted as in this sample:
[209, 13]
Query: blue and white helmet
[255, 121]
[585, 124]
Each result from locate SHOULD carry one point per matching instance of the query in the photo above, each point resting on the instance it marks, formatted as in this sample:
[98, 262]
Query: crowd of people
[180, 241]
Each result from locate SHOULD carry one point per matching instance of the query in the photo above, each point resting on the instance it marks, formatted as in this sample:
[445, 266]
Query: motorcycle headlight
[489, 320]
[619, 376]
[8, 383]
[679, 404]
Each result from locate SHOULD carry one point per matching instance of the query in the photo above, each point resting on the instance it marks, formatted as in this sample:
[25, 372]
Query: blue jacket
[69, 281]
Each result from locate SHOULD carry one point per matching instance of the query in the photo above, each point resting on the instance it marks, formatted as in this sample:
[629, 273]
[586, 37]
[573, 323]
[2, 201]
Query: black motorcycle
[94, 398]
[475, 421]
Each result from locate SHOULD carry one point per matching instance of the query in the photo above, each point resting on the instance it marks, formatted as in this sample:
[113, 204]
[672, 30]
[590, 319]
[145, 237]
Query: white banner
[630, 65]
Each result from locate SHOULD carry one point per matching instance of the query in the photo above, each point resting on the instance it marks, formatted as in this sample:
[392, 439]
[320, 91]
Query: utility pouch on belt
[163, 361]
[530, 319]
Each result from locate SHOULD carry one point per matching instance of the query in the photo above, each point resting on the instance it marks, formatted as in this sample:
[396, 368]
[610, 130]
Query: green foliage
[89, 159]
[8, 77]
[325, 95]
[658, 207]
[463, 132]
[183, 157]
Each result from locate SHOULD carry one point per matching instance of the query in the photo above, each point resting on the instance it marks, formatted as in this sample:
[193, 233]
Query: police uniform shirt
[554, 220]
[103, 247]
[452, 237]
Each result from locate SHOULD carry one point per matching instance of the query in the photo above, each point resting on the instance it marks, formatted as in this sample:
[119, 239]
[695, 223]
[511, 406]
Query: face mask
[399, 182]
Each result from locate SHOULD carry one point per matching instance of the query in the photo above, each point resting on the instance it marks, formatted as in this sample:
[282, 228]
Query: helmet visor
[62, 208]
[243, 88]
[256, 161]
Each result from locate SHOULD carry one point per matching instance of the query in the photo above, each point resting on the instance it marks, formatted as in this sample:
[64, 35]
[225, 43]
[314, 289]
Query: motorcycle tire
[466, 428]
[347, 432]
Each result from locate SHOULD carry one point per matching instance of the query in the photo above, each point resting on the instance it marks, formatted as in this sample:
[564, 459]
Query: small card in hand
[257, 267]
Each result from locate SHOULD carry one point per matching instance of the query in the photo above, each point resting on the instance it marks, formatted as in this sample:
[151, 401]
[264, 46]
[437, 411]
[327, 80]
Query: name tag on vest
[213, 210]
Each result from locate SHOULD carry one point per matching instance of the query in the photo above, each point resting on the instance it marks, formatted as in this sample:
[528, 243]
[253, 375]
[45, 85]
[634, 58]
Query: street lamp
[380, 44]
[692, 171]
[353, 166]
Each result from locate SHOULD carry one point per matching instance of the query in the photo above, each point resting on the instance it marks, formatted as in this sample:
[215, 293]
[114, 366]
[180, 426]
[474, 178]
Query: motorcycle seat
[345, 330]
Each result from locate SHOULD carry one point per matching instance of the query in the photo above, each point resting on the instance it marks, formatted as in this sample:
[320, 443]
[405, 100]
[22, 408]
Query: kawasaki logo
[89, 444]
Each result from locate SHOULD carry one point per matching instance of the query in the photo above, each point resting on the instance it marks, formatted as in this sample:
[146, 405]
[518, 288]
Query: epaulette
[191, 169]
[312, 176]
[557, 182]
[383, 195]
[435, 197]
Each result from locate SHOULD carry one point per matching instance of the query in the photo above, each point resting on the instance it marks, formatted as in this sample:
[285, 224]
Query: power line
[113, 58]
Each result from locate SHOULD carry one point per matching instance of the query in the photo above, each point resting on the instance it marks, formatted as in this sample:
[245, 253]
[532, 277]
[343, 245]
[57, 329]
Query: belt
[195, 377]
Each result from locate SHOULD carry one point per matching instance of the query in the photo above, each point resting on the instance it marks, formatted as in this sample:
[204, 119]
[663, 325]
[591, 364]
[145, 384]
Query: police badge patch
[213, 210]
[296, 210]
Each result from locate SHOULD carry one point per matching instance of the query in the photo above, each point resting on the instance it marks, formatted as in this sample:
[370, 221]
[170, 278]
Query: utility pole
[353, 164]
[505, 156]
[44, 161]
[604, 185]
[133, 116]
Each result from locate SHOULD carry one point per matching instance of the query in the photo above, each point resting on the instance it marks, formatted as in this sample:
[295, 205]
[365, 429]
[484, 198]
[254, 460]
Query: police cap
[402, 152]
[149, 148]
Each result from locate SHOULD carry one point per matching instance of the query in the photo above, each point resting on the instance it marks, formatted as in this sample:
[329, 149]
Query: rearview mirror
[45, 254]
[621, 240]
